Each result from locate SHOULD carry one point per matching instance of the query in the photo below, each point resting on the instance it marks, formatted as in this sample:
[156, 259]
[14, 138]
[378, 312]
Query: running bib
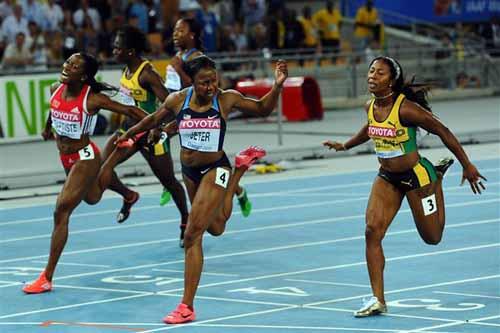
[125, 99]
[429, 204]
[86, 153]
[222, 177]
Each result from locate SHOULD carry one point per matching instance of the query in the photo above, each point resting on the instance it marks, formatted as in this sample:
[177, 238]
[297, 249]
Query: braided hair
[415, 92]
[91, 67]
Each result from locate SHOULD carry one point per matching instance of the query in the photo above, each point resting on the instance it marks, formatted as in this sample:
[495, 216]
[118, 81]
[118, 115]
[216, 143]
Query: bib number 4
[222, 177]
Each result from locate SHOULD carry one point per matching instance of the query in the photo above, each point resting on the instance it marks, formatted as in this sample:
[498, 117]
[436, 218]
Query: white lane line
[457, 323]
[204, 273]
[243, 315]
[468, 295]
[261, 210]
[223, 299]
[440, 284]
[272, 249]
[254, 195]
[72, 264]
[139, 292]
[330, 283]
[19, 314]
[313, 328]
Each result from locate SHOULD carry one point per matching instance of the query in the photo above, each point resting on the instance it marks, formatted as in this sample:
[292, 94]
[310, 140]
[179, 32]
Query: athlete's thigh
[79, 180]
[383, 204]
[161, 165]
[191, 187]
[109, 146]
[209, 197]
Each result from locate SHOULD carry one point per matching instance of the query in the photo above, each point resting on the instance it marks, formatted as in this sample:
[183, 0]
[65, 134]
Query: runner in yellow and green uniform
[141, 85]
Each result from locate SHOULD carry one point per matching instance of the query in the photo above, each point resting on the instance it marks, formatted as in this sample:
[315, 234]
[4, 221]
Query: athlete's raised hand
[281, 72]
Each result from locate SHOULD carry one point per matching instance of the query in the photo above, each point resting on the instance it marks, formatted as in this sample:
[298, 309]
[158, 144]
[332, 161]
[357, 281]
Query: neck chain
[383, 97]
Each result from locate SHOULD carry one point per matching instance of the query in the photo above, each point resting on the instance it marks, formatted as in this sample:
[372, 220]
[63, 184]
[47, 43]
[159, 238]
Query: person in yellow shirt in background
[367, 28]
[310, 42]
[329, 21]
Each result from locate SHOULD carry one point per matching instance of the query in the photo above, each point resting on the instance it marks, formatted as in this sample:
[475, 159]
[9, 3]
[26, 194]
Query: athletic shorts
[86, 153]
[420, 175]
[197, 173]
[159, 148]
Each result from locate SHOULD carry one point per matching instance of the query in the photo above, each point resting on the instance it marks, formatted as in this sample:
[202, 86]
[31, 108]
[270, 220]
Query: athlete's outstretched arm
[264, 106]
[360, 138]
[412, 113]
[99, 101]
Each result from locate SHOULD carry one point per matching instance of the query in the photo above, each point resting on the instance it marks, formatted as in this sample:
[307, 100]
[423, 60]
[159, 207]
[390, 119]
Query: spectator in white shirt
[6, 9]
[33, 11]
[14, 24]
[86, 10]
[17, 54]
[53, 15]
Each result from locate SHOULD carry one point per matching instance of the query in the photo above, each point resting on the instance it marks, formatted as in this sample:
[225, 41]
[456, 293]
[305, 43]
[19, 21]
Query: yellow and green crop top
[391, 138]
[133, 94]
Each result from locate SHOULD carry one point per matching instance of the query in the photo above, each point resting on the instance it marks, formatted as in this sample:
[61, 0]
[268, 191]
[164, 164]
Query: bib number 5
[86, 153]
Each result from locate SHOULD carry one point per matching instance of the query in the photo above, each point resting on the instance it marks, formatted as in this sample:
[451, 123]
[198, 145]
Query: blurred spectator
[258, 37]
[446, 49]
[294, 34]
[17, 54]
[367, 27]
[253, 12]
[36, 44]
[6, 7]
[309, 28]
[210, 26]
[13, 24]
[329, 21]
[139, 9]
[85, 11]
[464, 80]
[239, 37]
[276, 28]
[53, 15]
[33, 11]
[188, 8]
[225, 12]
[55, 49]
[491, 33]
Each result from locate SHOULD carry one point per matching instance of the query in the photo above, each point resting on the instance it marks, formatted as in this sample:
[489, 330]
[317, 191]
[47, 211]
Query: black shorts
[197, 173]
[420, 175]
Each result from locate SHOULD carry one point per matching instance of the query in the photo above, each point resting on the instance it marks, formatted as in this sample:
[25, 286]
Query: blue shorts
[197, 173]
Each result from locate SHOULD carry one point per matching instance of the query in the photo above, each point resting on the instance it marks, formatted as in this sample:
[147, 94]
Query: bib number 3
[86, 153]
[429, 204]
[222, 177]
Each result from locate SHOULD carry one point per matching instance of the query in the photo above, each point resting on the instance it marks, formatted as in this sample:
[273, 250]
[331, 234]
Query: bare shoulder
[54, 86]
[367, 105]
[175, 100]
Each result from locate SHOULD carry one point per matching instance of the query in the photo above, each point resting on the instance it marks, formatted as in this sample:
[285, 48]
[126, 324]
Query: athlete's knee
[373, 232]
[217, 228]
[62, 212]
[193, 233]
[433, 239]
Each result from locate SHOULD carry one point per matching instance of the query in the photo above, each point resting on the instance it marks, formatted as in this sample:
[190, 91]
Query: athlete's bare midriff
[194, 158]
[400, 163]
[70, 146]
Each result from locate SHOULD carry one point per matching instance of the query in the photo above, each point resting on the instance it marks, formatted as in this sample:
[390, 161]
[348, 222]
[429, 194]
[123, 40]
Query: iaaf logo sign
[382, 132]
[199, 123]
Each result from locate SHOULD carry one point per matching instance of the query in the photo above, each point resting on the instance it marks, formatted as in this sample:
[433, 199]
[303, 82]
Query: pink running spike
[249, 156]
[182, 314]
